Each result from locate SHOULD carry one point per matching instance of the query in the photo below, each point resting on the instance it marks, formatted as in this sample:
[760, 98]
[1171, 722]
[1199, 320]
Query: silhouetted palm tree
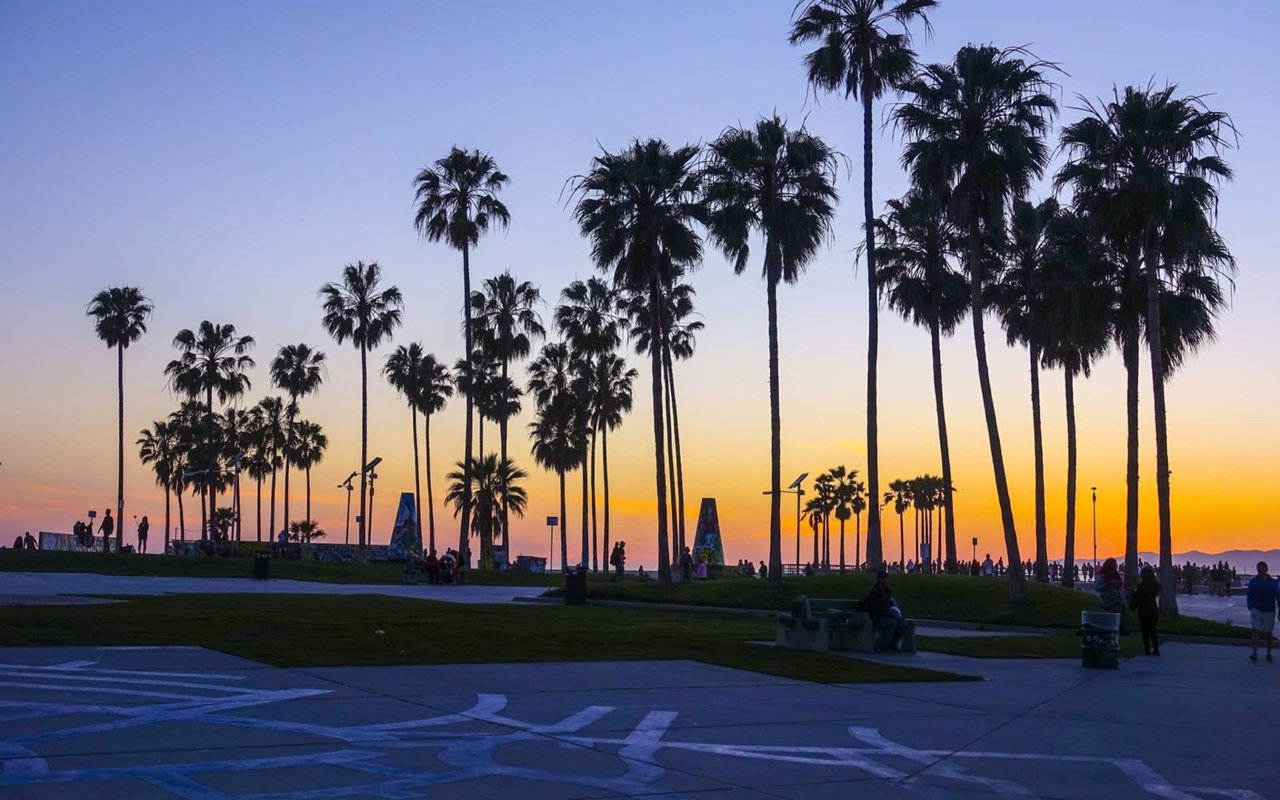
[559, 431]
[845, 485]
[638, 208]
[236, 430]
[187, 424]
[297, 370]
[975, 131]
[1155, 161]
[159, 447]
[494, 485]
[271, 439]
[359, 310]
[403, 370]
[457, 203]
[1019, 297]
[900, 495]
[858, 504]
[779, 183]
[212, 361]
[309, 445]
[863, 50]
[916, 241]
[613, 380]
[119, 318]
[508, 323]
[436, 387]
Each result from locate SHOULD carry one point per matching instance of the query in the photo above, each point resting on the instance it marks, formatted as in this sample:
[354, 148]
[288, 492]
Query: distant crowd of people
[449, 569]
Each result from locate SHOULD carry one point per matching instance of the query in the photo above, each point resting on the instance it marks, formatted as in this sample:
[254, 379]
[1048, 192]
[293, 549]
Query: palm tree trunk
[775, 429]
[595, 532]
[465, 523]
[677, 546]
[308, 471]
[167, 529]
[502, 440]
[417, 478]
[236, 502]
[212, 477]
[431, 503]
[204, 514]
[604, 465]
[1042, 535]
[564, 526]
[1017, 579]
[842, 545]
[659, 473]
[1069, 548]
[586, 528]
[290, 413]
[1168, 587]
[364, 450]
[120, 450]
[857, 542]
[259, 523]
[875, 553]
[1130, 345]
[182, 518]
[943, 445]
[902, 544]
[271, 529]
[675, 426]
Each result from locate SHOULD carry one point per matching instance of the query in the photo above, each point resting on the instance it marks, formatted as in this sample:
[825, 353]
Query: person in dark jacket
[884, 613]
[1145, 602]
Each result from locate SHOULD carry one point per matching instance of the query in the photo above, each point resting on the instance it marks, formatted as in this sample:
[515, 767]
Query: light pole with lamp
[368, 526]
[552, 522]
[795, 489]
[347, 485]
[1094, 490]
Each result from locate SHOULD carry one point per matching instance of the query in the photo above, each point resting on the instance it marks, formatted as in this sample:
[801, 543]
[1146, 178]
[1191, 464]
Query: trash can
[1099, 640]
[575, 587]
[262, 565]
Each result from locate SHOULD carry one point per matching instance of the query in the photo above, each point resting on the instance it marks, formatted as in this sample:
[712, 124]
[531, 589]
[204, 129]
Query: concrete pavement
[189, 723]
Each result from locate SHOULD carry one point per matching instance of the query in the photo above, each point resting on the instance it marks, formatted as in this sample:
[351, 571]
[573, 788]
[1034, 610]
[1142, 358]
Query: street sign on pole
[553, 521]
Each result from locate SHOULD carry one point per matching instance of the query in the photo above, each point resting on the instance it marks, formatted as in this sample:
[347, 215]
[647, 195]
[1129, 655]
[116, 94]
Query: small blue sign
[552, 522]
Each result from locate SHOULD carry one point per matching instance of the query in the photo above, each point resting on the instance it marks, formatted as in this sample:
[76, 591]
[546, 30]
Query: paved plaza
[149, 723]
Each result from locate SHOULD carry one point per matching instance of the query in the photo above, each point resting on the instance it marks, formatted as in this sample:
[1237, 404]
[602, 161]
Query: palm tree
[309, 444]
[1019, 297]
[306, 531]
[159, 447]
[1156, 161]
[237, 425]
[844, 484]
[187, 424]
[495, 485]
[975, 131]
[1081, 296]
[900, 495]
[297, 370]
[557, 433]
[457, 203]
[638, 208]
[588, 320]
[357, 309]
[559, 376]
[272, 433]
[403, 370]
[863, 49]
[858, 504]
[508, 323]
[119, 318]
[212, 361]
[435, 389]
[613, 381]
[781, 184]
[257, 462]
[916, 240]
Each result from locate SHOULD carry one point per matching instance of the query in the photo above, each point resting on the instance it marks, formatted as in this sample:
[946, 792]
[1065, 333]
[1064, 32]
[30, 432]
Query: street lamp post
[350, 488]
[552, 522]
[368, 524]
[795, 489]
[1094, 490]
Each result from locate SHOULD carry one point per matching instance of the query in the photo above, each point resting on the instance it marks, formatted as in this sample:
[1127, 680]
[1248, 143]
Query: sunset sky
[230, 158]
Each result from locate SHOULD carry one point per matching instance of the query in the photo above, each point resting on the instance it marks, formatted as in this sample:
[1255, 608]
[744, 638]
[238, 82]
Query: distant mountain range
[1242, 560]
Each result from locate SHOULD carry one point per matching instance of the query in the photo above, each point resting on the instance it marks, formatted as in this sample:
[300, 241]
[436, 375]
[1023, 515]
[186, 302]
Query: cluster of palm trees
[1128, 255]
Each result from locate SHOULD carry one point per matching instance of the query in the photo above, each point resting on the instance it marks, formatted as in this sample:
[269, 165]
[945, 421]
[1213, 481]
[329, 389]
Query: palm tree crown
[357, 310]
[120, 315]
[457, 198]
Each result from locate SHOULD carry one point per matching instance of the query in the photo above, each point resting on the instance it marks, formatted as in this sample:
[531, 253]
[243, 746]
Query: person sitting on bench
[886, 615]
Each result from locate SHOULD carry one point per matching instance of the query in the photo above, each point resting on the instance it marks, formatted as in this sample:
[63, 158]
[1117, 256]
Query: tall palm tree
[359, 310]
[916, 240]
[212, 361]
[1156, 160]
[272, 434]
[435, 389]
[560, 376]
[588, 319]
[257, 461]
[845, 484]
[1081, 296]
[825, 488]
[613, 381]
[493, 482]
[119, 318]
[457, 203]
[403, 370]
[638, 207]
[1019, 297]
[900, 495]
[187, 424]
[237, 427]
[863, 50]
[159, 447]
[309, 445]
[297, 370]
[505, 313]
[474, 378]
[975, 131]
[857, 504]
[557, 434]
[779, 183]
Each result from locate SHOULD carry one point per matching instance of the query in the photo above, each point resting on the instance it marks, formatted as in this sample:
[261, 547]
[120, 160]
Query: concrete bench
[801, 630]
[847, 627]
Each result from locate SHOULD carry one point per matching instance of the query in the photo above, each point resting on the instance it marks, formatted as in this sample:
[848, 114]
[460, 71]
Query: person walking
[1262, 599]
[30, 541]
[1145, 601]
[144, 528]
[107, 528]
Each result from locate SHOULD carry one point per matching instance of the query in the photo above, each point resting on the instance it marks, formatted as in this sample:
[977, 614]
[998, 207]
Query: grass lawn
[942, 597]
[363, 630]
[1055, 645]
[235, 567]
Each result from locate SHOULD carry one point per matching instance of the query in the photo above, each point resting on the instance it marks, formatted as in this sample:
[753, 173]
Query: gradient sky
[229, 158]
